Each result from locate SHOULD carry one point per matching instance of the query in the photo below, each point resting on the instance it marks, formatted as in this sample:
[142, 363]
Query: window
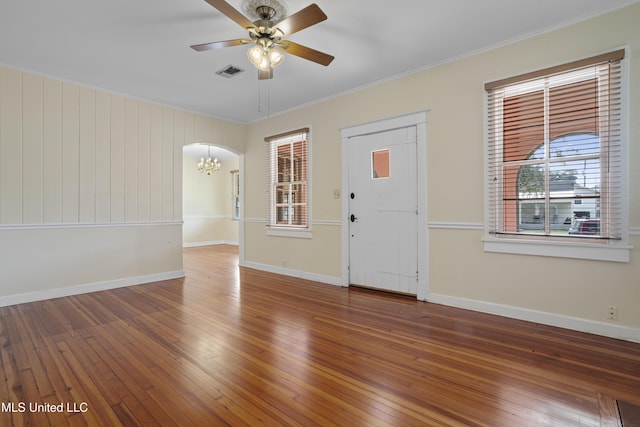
[235, 194]
[380, 164]
[555, 162]
[288, 180]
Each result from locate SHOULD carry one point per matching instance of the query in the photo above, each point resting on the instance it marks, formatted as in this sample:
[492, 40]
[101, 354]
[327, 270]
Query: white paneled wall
[72, 154]
[90, 186]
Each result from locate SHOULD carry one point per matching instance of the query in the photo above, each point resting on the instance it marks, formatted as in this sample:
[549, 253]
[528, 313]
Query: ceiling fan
[267, 34]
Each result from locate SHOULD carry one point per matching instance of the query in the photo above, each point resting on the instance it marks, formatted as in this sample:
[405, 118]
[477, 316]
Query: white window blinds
[554, 152]
[288, 191]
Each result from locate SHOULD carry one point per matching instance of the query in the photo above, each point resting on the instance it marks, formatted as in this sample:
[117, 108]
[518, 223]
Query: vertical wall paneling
[131, 160]
[117, 158]
[1, 103]
[52, 152]
[167, 164]
[32, 149]
[103, 158]
[155, 164]
[189, 119]
[87, 208]
[199, 129]
[75, 159]
[178, 142]
[70, 152]
[144, 152]
[188, 128]
[11, 147]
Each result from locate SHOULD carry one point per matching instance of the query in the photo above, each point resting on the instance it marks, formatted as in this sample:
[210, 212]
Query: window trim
[280, 230]
[605, 57]
[592, 249]
[235, 194]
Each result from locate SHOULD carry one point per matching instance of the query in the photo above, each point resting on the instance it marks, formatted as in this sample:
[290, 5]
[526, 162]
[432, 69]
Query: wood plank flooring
[230, 346]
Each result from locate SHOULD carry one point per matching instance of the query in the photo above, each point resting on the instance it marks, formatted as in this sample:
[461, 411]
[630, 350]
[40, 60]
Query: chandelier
[208, 166]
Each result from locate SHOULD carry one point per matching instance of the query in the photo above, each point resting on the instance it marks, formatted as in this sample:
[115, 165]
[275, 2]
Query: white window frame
[280, 230]
[613, 250]
[235, 195]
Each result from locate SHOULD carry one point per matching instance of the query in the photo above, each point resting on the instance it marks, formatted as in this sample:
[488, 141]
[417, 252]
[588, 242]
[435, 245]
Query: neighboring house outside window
[288, 180]
[555, 158]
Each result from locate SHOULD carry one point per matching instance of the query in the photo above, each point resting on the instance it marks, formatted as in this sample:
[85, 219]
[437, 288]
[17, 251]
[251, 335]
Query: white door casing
[383, 210]
[386, 245]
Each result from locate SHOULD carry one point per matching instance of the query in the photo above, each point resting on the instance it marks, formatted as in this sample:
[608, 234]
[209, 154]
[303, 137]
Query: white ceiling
[141, 47]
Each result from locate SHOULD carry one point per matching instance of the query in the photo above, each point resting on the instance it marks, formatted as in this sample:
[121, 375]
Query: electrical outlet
[612, 312]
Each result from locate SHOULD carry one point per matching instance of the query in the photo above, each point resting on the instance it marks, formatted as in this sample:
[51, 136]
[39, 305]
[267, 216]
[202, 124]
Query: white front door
[383, 210]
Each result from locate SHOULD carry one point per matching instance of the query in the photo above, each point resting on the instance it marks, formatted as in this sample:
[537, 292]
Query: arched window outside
[559, 184]
[556, 163]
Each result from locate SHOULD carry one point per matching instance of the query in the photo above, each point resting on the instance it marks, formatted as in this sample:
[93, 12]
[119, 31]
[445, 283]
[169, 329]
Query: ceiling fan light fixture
[264, 55]
[255, 54]
[275, 57]
[259, 58]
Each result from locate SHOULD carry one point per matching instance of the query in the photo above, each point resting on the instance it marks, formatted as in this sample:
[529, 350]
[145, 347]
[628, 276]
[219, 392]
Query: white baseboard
[561, 321]
[210, 243]
[330, 280]
[91, 287]
[577, 324]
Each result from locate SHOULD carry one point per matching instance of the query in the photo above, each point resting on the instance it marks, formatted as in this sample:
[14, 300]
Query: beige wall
[90, 186]
[207, 202]
[460, 272]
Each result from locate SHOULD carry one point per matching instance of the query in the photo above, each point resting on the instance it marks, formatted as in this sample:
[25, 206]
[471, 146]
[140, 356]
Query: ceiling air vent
[229, 71]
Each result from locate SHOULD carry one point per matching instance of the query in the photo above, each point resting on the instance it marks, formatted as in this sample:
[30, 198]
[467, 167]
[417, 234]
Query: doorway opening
[384, 186]
[211, 196]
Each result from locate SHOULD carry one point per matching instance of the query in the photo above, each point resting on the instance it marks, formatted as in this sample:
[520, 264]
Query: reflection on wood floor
[230, 346]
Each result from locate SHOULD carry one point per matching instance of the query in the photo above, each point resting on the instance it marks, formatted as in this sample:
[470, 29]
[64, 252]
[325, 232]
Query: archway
[211, 199]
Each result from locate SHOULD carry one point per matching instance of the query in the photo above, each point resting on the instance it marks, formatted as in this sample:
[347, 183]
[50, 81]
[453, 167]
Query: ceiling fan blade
[219, 45]
[231, 13]
[306, 52]
[265, 75]
[302, 19]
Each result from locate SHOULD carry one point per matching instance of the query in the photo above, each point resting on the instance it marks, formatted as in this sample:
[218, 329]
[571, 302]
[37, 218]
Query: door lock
[353, 218]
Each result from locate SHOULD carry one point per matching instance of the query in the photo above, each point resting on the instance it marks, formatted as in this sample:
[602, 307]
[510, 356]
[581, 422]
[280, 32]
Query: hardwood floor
[229, 346]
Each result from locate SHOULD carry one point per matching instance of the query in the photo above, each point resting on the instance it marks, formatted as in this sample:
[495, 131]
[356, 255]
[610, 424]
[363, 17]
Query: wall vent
[229, 71]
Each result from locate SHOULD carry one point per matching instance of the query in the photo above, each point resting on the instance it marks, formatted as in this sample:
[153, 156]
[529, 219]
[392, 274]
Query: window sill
[289, 232]
[593, 251]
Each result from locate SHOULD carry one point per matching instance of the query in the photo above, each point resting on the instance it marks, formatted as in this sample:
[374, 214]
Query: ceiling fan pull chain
[259, 95]
[268, 99]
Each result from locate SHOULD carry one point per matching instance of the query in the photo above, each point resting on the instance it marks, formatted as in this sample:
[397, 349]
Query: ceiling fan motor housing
[266, 12]
[264, 29]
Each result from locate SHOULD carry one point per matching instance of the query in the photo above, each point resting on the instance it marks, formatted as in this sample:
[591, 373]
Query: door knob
[353, 218]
